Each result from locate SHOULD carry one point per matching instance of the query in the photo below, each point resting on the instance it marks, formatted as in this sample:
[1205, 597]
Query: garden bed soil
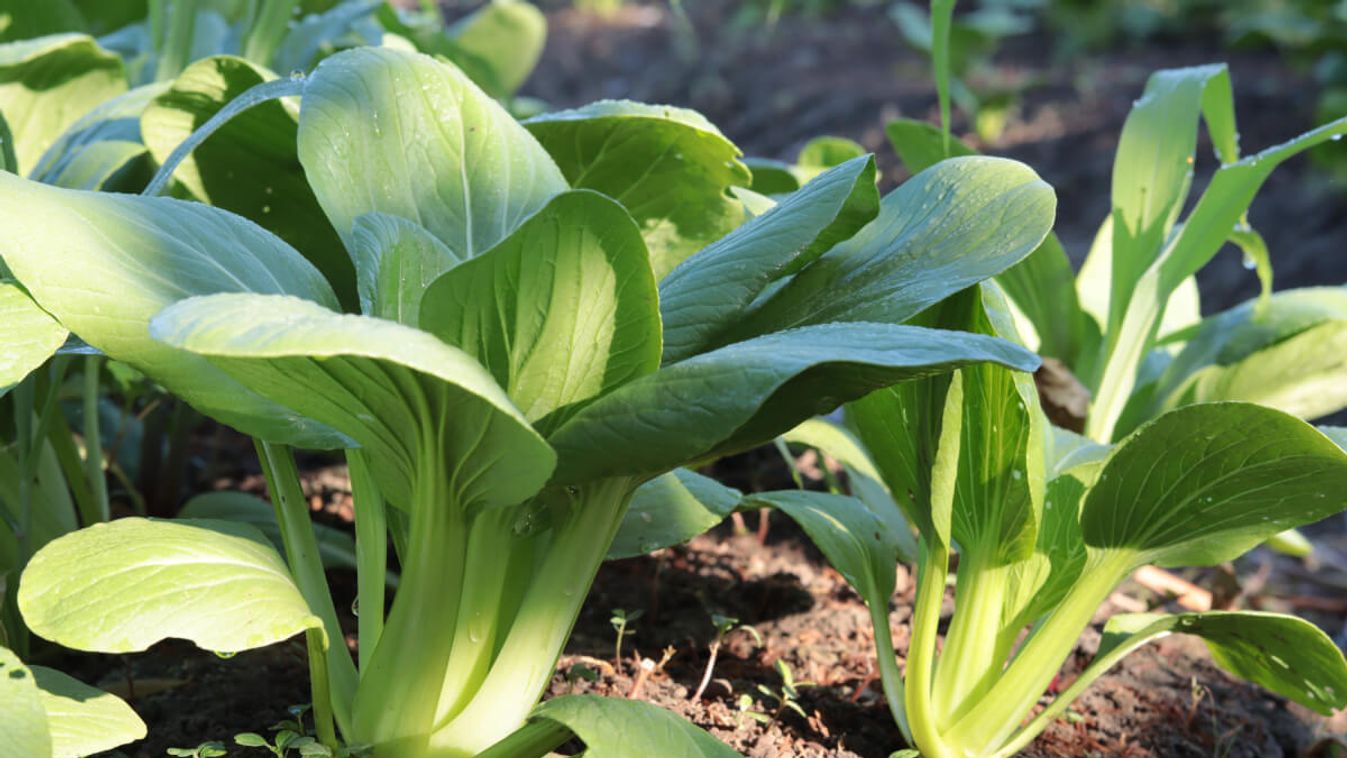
[846, 74]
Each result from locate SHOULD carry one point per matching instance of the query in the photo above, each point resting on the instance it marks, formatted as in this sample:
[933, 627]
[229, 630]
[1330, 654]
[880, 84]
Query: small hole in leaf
[17, 674]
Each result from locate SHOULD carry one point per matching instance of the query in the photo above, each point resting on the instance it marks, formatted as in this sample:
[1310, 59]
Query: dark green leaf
[670, 510]
[616, 728]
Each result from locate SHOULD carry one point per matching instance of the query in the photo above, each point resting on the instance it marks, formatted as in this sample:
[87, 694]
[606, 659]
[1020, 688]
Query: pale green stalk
[301, 550]
[968, 663]
[889, 675]
[997, 714]
[921, 652]
[268, 29]
[527, 658]
[93, 439]
[176, 50]
[371, 553]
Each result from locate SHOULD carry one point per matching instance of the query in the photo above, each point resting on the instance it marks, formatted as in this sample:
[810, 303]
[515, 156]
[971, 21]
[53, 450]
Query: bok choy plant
[1046, 525]
[44, 713]
[553, 317]
[1129, 325]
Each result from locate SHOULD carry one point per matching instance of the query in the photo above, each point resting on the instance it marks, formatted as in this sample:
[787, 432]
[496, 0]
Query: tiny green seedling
[212, 749]
[621, 621]
[724, 625]
[787, 697]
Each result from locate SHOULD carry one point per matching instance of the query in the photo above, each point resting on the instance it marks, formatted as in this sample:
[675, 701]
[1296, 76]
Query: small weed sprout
[786, 698]
[212, 749]
[724, 625]
[621, 622]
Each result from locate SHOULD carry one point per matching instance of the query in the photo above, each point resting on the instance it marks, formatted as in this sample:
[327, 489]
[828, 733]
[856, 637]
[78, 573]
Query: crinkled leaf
[47, 83]
[671, 509]
[84, 720]
[404, 134]
[951, 226]
[616, 728]
[705, 295]
[249, 166]
[1285, 654]
[28, 335]
[389, 387]
[498, 45]
[742, 395]
[1205, 483]
[121, 586]
[561, 311]
[395, 261]
[105, 264]
[1289, 353]
[335, 547]
[855, 541]
[670, 167]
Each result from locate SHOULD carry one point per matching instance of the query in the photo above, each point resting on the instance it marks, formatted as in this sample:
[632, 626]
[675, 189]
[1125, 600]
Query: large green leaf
[1285, 654]
[561, 311]
[105, 264]
[47, 83]
[395, 261]
[23, 720]
[670, 167]
[84, 720]
[250, 165]
[498, 46]
[389, 387]
[742, 395]
[1289, 353]
[1204, 483]
[707, 293]
[1042, 285]
[855, 540]
[1153, 167]
[121, 586]
[115, 121]
[951, 226]
[28, 335]
[615, 728]
[405, 134]
[670, 510]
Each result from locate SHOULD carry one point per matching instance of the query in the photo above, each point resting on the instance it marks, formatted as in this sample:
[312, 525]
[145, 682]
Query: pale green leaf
[1152, 169]
[705, 295]
[855, 540]
[745, 394]
[498, 45]
[28, 335]
[116, 120]
[951, 226]
[395, 261]
[23, 720]
[84, 720]
[563, 310]
[122, 586]
[1289, 353]
[389, 387]
[249, 166]
[404, 134]
[1205, 483]
[617, 728]
[822, 153]
[670, 167]
[123, 258]
[670, 510]
[47, 83]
